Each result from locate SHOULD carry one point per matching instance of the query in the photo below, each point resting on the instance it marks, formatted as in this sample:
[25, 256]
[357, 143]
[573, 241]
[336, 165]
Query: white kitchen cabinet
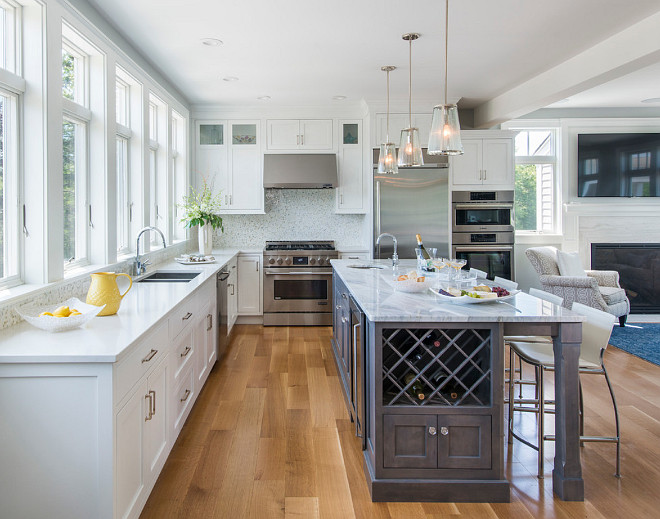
[155, 429]
[205, 342]
[299, 134]
[399, 121]
[351, 190]
[488, 161]
[250, 284]
[231, 164]
[232, 295]
[359, 256]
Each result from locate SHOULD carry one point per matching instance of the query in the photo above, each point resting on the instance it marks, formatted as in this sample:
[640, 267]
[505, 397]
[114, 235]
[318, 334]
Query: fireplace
[638, 265]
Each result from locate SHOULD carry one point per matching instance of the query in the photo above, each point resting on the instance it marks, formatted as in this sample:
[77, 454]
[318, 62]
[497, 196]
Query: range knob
[312, 261]
[271, 260]
[320, 260]
[279, 261]
[287, 260]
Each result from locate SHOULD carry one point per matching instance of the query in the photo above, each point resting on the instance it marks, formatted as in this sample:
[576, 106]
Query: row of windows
[149, 160]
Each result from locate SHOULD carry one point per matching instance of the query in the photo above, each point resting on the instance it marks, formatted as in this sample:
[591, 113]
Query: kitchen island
[423, 380]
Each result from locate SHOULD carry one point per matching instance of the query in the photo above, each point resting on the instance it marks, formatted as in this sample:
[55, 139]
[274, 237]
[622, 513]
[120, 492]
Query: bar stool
[480, 273]
[596, 331]
[505, 283]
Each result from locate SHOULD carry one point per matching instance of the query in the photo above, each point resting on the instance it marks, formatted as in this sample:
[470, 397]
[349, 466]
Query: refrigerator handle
[377, 213]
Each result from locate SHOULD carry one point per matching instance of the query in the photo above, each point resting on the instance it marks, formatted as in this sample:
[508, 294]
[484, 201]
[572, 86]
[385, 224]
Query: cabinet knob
[444, 431]
[433, 431]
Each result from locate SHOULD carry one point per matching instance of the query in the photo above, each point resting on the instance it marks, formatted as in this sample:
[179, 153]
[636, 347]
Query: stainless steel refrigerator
[416, 201]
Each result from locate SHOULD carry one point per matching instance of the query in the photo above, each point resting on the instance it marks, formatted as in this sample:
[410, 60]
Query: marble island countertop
[373, 290]
[106, 339]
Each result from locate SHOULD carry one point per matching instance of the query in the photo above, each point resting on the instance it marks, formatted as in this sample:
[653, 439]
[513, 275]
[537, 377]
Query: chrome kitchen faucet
[140, 267]
[395, 256]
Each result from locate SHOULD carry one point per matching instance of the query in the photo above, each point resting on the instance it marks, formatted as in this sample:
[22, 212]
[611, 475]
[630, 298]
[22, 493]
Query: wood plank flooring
[270, 437]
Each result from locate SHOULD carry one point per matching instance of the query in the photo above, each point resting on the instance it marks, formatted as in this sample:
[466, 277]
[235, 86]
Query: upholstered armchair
[598, 289]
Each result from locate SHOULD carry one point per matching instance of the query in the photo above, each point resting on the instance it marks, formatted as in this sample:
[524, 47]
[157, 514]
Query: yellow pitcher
[105, 291]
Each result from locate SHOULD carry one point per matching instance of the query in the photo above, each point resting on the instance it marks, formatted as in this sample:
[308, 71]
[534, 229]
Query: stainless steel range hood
[300, 171]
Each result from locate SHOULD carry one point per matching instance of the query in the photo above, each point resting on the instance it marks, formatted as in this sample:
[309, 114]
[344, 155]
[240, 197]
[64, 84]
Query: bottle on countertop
[425, 253]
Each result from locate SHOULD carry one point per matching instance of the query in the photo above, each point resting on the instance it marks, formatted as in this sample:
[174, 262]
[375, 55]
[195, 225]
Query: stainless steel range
[298, 283]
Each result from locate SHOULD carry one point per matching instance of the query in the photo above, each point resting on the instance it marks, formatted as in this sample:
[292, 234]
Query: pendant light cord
[446, 44]
[410, 82]
[387, 135]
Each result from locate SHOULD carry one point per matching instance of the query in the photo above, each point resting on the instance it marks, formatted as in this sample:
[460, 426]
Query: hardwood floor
[270, 437]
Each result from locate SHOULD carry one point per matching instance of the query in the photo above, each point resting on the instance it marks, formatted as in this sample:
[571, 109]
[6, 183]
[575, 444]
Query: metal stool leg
[541, 423]
[616, 418]
[511, 397]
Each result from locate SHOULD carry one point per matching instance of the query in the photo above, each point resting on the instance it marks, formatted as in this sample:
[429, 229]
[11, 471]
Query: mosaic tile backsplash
[292, 214]
[78, 286]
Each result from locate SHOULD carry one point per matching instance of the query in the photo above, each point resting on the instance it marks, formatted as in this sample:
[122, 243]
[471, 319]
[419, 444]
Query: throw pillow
[569, 264]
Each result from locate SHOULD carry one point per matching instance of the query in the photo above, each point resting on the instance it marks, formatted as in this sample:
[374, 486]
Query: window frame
[12, 242]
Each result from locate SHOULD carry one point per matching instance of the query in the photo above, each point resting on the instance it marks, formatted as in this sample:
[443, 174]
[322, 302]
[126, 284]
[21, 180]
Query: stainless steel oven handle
[313, 273]
[482, 206]
[478, 248]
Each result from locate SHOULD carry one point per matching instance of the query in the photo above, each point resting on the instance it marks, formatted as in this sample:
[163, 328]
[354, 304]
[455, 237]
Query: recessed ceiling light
[230, 78]
[339, 98]
[263, 98]
[212, 42]
[651, 100]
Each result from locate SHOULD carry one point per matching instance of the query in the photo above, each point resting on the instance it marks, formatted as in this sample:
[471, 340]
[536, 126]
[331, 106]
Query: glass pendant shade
[445, 137]
[410, 152]
[387, 159]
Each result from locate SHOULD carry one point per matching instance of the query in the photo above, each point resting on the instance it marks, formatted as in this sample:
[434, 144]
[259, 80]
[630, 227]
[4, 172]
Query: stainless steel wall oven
[298, 283]
[483, 231]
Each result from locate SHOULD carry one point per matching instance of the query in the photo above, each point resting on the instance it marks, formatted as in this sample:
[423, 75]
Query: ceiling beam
[632, 49]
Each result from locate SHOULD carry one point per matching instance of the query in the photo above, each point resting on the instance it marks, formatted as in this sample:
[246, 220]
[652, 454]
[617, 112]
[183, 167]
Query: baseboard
[250, 319]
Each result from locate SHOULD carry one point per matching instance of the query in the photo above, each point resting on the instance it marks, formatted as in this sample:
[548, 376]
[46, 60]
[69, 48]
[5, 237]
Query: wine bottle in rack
[416, 390]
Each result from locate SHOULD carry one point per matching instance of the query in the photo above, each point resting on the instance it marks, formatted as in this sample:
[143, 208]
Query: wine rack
[436, 367]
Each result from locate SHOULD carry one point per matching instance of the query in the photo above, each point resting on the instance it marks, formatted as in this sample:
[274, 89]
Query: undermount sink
[366, 266]
[170, 276]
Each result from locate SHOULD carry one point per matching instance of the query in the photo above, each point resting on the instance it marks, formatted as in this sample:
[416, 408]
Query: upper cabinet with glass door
[211, 155]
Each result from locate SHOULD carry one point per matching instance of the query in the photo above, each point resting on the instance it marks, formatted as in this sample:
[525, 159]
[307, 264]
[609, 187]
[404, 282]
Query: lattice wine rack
[423, 367]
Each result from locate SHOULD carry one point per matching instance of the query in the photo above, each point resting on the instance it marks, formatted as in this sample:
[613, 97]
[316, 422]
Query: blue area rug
[639, 339]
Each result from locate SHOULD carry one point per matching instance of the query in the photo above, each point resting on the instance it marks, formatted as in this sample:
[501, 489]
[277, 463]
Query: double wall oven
[298, 283]
[483, 231]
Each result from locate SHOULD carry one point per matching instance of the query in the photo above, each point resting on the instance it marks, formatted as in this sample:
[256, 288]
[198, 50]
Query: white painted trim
[72, 109]
[12, 82]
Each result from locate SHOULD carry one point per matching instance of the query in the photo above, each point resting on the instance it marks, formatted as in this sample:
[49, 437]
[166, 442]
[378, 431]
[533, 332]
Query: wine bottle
[425, 253]
[417, 388]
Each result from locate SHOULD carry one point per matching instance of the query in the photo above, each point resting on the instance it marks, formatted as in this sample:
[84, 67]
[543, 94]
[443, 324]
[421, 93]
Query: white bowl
[412, 285]
[59, 324]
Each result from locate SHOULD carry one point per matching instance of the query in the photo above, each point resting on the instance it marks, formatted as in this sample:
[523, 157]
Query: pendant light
[410, 152]
[387, 157]
[445, 137]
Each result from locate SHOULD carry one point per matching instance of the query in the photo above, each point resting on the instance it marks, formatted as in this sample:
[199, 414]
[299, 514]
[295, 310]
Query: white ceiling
[304, 52]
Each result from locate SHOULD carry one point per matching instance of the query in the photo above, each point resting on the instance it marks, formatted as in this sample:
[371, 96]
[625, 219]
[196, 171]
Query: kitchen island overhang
[447, 445]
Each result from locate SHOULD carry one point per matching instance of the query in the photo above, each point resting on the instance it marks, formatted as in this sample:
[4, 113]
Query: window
[124, 134]
[9, 226]
[75, 134]
[179, 172]
[536, 162]
[9, 21]
[158, 176]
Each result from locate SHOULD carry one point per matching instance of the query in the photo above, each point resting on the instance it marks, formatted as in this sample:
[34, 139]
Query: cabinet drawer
[183, 398]
[183, 316]
[183, 352]
[142, 359]
[362, 256]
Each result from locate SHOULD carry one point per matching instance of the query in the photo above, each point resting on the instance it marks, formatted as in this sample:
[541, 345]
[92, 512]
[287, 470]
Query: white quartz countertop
[373, 290]
[107, 339]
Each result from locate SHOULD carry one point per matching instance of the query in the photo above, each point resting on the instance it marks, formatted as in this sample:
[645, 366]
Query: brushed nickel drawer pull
[151, 355]
[152, 392]
[185, 395]
[209, 322]
[186, 351]
[186, 317]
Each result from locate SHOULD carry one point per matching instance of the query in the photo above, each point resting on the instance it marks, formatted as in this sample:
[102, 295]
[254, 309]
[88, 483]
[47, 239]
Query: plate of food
[193, 259]
[478, 294]
[60, 317]
[411, 282]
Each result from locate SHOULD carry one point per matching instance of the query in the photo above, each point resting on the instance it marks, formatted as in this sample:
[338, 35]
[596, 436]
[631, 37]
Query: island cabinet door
[410, 441]
[464, 442]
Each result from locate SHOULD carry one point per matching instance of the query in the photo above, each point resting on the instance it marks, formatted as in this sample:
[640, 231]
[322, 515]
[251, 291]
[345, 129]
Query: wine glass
[457, 265]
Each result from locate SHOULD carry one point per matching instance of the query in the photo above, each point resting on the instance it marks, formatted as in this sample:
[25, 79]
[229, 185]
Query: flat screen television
[619, 164]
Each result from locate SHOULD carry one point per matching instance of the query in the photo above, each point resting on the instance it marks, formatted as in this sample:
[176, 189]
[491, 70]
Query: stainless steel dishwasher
[221, 297]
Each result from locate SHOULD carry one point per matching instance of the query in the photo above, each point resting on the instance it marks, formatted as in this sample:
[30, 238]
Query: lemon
[74, 312]
[45, 313]
[62, 311]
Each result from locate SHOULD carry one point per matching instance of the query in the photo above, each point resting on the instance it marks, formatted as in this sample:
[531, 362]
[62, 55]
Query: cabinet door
[316, 134]
[211, 335]
[232, 296]
[351, 181]
[249, 281]
[155, 429]
[130, 470]
[211, 167]
[498, 162]
[464, 442]
[283, 134]
[466, 168]
[247, 192]
[201, 345]
[409, 441]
